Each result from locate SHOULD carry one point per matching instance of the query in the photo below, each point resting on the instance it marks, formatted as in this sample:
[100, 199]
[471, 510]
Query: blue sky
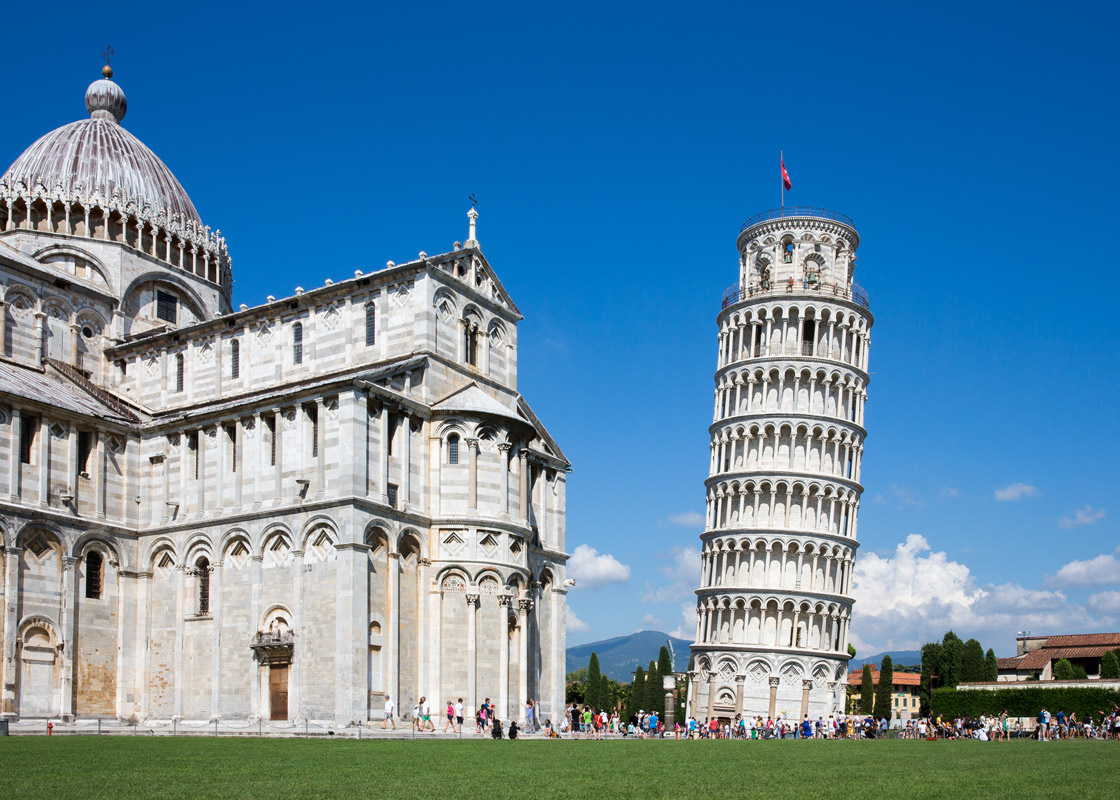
[615, 149]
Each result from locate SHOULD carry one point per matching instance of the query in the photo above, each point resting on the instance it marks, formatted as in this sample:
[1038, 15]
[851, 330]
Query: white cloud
[1093, 572]
[687, 629]
[1107, 603]
[914, 595]
[1082, 516]
[1016, 491]
[906, 497]
[949, 492]
[682, 577]
[574, 624]
[652, 621]
[688, 519]
[590, 569]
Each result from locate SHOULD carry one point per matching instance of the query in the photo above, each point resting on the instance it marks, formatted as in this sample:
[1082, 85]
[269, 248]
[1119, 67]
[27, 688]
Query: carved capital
[524, 605]
[472, 599]
[806, 684]
[774, 681]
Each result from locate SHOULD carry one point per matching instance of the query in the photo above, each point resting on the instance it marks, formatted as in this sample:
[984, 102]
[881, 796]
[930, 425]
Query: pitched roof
[472, 400]
[855, 678]
[1038, 659]
[1084, 640]
[39, 387]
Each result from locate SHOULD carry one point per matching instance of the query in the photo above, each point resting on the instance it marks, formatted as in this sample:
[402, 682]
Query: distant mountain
[908, 658]
[619, 657]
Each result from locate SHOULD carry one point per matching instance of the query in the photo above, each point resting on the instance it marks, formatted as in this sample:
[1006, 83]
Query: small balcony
[813, 288]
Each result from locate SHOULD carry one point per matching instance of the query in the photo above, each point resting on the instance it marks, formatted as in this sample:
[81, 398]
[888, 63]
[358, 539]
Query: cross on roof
[474, 201]
[108, 54]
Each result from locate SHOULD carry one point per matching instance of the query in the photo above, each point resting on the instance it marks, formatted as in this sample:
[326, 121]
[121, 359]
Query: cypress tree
[637, 693]
[866, 691]
[654, 695]
[664, 661]
[884, 693]
[972, 662]
[1110, 665]
[606, 693]
[594, 678]
[931, 674]
[991, 666]
[952, 652]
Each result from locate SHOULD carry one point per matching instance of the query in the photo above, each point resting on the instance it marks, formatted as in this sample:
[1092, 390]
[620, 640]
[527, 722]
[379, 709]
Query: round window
[87, 332]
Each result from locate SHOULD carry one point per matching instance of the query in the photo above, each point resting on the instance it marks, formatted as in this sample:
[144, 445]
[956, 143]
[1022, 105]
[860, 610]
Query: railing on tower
[855, 292]
[798, 211]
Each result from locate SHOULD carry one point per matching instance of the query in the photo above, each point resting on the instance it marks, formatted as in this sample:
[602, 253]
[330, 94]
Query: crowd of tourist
[584, 722]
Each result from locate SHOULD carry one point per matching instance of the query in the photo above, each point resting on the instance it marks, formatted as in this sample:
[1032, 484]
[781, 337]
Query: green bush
[1024, 702]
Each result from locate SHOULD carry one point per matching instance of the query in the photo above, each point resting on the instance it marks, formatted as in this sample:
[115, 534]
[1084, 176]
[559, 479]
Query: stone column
[523, 476]
[40, 323]
[383, 463]
[177, 656]
[295, 675]
[773, 696]
[503, 657]
[472, 480]
[523, 606]
[806, 685]
[472, 652]
[216, 647]
[67, 629]
[14, 464]
[11, 607]
[392, 636]
[351, 693]
[405, 500]
[503, 457]
[711, 695]
[256, 567]
[739, 681]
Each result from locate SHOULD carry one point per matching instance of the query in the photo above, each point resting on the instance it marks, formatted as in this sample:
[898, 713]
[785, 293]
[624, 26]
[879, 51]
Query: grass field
[125, 767]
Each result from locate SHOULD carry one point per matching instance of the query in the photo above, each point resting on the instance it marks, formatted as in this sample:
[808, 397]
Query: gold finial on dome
[107, 71]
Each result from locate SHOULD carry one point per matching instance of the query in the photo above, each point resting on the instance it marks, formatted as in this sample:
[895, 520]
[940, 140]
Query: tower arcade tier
[783, 490]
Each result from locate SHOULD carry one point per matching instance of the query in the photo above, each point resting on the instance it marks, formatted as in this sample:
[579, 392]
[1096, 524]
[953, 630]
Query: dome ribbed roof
[97, 153]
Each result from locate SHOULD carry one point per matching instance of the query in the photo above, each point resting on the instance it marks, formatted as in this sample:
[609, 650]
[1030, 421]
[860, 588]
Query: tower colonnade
[778, 551]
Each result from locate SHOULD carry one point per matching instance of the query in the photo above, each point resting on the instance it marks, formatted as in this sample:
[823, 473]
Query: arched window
[297, 343]
[94, 566]
[453, 449]
[235, 359]
[203, 568]
[470, 343]
[180, 372]
[371, 325]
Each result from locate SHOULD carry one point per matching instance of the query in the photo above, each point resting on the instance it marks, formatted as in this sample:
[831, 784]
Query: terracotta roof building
[904, 692]
[1036, 655]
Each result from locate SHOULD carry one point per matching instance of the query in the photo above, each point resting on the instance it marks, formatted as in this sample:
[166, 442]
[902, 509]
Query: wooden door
[278, 692]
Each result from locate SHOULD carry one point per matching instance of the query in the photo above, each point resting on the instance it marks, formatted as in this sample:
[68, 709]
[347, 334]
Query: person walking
[529, 709]
[388, 714]
[450, 724]
[459, 714]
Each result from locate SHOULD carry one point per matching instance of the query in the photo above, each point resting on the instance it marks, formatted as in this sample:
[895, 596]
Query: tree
[972, 662]
[884, 694]
[594, 679]
[1063, 670]
[952, 652]
[851, 650]
[664, 661]
[1110, 665]
[637, 693]
[991, 666]
[867, 691]
[654, 695]
[607, 693]
[931, 674]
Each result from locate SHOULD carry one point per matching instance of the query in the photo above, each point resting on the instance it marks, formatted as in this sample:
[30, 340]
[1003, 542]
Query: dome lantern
[105, 99]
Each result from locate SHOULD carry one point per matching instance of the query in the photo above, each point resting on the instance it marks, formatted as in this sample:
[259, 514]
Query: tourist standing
[459, 714]
[388, 714]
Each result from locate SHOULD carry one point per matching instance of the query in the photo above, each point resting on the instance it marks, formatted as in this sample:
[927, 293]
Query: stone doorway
[278, 691]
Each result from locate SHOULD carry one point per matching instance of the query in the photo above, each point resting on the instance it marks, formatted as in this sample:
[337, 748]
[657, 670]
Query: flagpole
[782, 178]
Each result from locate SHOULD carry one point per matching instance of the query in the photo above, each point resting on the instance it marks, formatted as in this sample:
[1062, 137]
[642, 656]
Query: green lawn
[127, 767]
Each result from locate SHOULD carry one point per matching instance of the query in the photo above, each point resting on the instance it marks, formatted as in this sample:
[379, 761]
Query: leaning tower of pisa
[783, 490]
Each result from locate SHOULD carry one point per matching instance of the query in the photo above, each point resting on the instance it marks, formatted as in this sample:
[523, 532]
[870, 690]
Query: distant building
[904, 692]
[1036, 655]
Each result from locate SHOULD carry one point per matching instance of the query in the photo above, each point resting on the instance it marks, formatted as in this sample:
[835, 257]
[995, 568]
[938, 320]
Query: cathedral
[283, 512]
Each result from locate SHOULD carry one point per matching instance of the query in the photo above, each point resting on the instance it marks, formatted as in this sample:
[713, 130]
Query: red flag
[785, 176]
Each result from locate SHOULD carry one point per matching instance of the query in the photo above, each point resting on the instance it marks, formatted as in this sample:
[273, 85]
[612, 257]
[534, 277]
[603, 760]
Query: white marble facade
[783, 490]
[283, 511]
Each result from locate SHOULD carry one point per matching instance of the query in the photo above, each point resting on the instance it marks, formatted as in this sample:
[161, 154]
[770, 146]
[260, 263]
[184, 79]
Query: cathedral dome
[98, 155]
